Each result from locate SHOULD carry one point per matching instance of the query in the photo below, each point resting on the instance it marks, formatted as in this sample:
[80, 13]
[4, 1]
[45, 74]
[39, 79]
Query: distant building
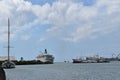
[4, 58]
[21, 59]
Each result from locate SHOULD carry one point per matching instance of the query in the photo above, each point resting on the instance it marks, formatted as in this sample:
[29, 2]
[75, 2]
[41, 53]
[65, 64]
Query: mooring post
[2, 74]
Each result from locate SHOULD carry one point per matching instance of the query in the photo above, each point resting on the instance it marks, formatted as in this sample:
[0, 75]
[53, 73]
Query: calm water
[66, 71]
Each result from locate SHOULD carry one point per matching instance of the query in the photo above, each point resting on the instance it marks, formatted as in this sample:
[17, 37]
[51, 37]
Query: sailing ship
[44, 57]
[8, 63]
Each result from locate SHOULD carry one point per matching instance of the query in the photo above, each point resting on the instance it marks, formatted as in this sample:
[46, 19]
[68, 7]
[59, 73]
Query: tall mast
[8, 64]
[8, 40]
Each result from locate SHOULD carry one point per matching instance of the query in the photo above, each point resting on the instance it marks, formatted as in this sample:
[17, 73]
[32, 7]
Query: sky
[66, 28]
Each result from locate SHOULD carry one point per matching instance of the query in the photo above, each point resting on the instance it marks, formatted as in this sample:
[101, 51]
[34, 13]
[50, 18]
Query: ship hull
[77, 61]
[46, 59]
[90, 61]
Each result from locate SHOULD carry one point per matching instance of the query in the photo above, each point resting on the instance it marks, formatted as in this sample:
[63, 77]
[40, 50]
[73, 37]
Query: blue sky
[66, 28]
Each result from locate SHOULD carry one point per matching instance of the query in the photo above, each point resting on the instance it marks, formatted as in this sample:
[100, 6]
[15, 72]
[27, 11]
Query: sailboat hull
[8, 65]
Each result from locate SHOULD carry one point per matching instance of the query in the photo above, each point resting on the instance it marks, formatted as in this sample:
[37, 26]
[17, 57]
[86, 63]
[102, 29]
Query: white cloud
[19, 13]
[81, 33]
[25, 37]
[42, 39]
[102, 19]
[69, 20]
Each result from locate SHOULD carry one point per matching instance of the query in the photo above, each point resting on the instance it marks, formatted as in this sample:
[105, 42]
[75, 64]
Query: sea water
[66, 71]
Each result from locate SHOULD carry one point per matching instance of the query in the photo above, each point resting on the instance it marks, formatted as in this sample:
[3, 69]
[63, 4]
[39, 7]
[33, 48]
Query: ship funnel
[46, 51]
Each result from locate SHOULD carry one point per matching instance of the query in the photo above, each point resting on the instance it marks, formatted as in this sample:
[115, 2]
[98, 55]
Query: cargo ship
[94, 59]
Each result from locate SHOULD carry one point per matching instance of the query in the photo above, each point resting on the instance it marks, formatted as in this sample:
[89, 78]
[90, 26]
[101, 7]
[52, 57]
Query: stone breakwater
[28, 62]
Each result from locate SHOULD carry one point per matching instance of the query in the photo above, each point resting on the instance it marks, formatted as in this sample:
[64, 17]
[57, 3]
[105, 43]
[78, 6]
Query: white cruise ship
[44, 57]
